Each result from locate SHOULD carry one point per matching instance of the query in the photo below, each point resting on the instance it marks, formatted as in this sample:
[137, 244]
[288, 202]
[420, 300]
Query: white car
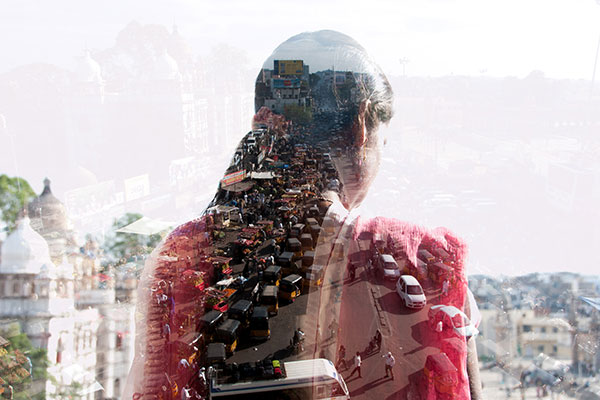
[410, 291]
[387, 267]
[443, 318]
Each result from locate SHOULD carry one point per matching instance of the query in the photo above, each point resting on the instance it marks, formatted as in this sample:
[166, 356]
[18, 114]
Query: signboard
[288, 67]
[137, 187]
[234, 177]
[279, 83]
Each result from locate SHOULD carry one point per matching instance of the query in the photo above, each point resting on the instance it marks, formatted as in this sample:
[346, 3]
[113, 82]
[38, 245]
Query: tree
[23, 365]
[123, 246]
[15, 193]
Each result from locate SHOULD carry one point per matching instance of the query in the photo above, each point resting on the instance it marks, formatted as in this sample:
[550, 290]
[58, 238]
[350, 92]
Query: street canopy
[146, 226]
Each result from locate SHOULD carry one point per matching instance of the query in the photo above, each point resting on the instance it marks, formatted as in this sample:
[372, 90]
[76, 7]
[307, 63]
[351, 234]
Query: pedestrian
[333, 327]
[357, 363]
[390, 361]
[341, 357]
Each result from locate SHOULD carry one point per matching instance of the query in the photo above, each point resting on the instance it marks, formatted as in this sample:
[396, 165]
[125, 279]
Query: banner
[234, 177]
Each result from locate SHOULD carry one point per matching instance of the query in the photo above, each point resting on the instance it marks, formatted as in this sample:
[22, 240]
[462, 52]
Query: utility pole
[403, 62]
[573, 322]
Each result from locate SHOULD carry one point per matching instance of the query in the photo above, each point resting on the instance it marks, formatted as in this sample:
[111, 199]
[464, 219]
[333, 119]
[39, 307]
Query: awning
[592, 301]
[262, 175]
[146, 226]
[239, 187]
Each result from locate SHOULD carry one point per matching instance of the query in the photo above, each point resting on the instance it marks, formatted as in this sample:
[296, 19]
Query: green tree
[298, 114]
[15, 193]
[22, 354]
[123, 246]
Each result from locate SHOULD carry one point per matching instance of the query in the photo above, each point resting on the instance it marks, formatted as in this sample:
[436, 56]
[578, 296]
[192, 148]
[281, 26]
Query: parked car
[410, 291]
[387, 267]
[450, 320]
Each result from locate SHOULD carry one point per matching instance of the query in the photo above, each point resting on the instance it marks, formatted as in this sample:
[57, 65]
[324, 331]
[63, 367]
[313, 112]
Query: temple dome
[25, 251]
[47, 213]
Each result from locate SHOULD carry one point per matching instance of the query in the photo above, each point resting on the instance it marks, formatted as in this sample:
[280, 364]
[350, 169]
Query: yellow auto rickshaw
[208, 324]
[306, 241]
[269, 299]
[259, 324]
[308, 259]
[290, 287]
[313, 277]
[241, 310]
[294, 246]
[272, 275]
[227, 333]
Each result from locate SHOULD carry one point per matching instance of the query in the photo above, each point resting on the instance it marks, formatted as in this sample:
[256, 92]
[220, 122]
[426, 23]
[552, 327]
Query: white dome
[24, 251]
[89, 70]
[65, 269]
[166, 68]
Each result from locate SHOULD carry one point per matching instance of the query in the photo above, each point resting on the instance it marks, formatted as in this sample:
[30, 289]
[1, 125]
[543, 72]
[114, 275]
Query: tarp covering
[238, 187]
[146, 226]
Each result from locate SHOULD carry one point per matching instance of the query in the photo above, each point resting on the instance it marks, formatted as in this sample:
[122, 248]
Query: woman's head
[327, 84]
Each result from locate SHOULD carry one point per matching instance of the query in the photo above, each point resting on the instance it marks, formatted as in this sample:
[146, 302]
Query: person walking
[341, 358]
[357, 363]
[390, 361]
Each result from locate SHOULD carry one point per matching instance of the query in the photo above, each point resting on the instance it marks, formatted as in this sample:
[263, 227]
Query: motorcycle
[296, 343]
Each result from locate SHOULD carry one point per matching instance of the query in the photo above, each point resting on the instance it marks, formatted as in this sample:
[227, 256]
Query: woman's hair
[331, 50]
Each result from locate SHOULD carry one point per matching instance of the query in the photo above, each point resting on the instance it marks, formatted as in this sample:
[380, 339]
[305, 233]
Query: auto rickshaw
[314, 277]
[308, 258]
[268, 298]
[311, 221]
[285, 259]
[439, 272]
[216, 353]
[315, 231]
[306, 241]
[191, 345]
[227, 333]
[259, 324]
[425, 256]
[329, 225]
[272, 275]
[440, 372]
[208, 324]
[294, 246]
[441, 253]
[290, 286]
[297, 230]
[241, 311]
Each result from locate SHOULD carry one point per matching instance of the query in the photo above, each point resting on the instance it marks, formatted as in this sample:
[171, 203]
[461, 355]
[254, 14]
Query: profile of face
[336, 97]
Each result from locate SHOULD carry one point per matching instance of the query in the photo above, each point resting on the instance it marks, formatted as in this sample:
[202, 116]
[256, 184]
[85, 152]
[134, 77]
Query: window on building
[59, 351]
[555, 330]
[16, 289]
[554, 349]
[543, 330]
[541, 348]
[526, 328]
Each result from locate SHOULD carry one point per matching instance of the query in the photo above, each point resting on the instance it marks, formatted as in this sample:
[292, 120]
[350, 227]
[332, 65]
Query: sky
[434, 37]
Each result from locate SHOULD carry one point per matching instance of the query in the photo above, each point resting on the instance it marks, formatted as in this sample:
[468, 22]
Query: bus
[302, 380]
